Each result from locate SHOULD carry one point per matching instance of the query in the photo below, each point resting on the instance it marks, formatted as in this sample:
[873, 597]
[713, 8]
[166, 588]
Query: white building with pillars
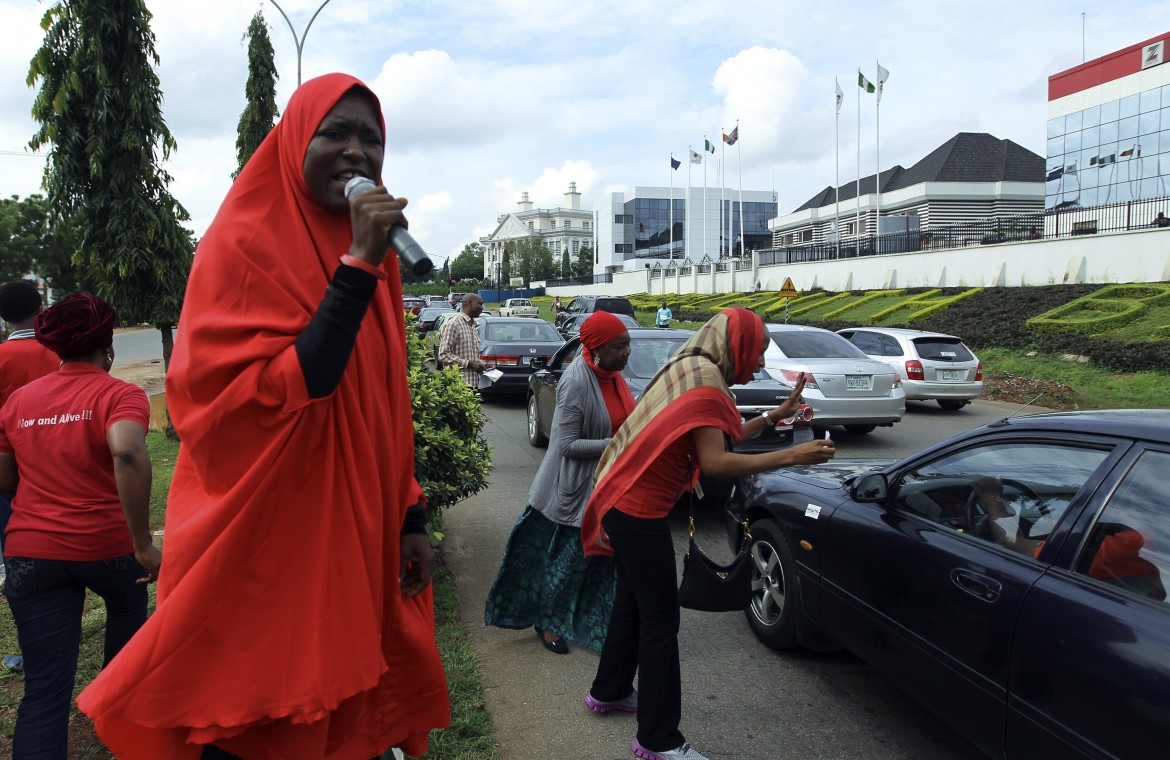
[566, 228]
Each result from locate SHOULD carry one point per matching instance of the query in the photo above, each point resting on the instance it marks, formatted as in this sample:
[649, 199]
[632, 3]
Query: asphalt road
[741, 700]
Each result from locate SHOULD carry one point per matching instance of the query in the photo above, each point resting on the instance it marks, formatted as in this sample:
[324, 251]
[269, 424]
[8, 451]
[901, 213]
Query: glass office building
[1109, 129]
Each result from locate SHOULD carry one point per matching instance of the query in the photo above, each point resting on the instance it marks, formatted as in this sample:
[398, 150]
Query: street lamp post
[299, 40]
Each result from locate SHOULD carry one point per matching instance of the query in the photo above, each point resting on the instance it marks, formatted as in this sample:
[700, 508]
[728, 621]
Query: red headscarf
[76, 325]
[280, 630]
[598, 329]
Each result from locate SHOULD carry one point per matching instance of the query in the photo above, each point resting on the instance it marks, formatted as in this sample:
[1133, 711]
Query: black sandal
[556, 646]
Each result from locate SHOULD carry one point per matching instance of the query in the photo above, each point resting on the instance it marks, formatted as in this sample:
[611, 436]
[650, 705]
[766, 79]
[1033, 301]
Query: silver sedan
[843, 385]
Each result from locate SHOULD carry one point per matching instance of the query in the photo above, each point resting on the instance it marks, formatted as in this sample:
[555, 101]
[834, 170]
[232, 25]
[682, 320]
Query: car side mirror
[871, 487]
[539, 362]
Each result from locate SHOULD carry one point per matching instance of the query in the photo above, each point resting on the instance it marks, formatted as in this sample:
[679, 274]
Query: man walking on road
[662, 319]
[459, 342]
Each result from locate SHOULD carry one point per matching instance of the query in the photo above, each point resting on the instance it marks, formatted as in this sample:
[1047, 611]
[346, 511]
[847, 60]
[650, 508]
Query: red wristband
[365, 266]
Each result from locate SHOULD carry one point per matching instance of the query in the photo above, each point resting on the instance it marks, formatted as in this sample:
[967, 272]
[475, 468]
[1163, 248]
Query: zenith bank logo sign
[1153, 54]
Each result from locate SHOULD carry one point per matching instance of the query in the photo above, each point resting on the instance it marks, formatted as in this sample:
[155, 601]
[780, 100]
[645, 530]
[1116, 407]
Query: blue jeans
[47, 597]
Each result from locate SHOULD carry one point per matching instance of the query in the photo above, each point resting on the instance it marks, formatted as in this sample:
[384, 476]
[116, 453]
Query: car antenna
[1022, 408]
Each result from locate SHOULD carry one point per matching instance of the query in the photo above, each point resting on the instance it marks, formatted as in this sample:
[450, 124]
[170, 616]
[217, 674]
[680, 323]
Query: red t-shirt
[66, 505]
[23, 360]
[663, 482]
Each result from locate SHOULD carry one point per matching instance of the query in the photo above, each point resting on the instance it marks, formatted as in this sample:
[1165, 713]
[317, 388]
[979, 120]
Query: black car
[570, 328]
[427, 316]
[590, 304]
[1037, 628]
[649, 350]
[514, 344]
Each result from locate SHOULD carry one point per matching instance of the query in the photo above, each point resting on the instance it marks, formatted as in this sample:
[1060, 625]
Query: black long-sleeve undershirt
[325, 345]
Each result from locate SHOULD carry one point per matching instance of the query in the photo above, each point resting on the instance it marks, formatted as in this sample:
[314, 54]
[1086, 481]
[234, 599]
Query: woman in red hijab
[681, 426]
[545, 581]
[294, 616]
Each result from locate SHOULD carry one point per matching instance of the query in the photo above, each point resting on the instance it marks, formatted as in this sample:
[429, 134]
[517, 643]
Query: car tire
[860, 429]
[774, 606]
[535, 436]
[951, 404]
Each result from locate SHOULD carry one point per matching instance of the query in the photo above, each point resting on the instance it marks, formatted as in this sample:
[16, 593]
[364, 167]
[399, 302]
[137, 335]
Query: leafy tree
[583, 266]
[505, 266]
[29, 244]
[100, 112]
[260, 113]
[469, 263]
[566, 265]
[452, 459]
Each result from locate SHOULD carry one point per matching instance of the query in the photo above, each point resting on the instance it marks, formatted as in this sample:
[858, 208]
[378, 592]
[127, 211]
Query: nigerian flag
[864, 83]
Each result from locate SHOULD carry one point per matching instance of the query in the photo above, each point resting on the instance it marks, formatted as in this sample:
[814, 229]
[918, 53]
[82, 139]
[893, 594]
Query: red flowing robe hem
[278, 739]
[700, 407]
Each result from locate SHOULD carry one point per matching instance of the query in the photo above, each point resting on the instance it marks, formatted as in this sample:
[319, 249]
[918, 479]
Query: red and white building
[1109, 128]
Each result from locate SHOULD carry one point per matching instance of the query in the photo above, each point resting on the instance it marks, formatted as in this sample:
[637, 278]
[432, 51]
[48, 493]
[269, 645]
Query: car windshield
[943, 349]
[531, 331]
[430, 313]
[647, 355]
[809, 344]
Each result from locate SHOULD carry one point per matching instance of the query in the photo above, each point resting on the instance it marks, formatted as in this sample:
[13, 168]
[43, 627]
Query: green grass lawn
[470, 736]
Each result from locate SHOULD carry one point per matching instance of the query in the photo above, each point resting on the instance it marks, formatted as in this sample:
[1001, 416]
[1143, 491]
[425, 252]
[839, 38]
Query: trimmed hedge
[983, 318]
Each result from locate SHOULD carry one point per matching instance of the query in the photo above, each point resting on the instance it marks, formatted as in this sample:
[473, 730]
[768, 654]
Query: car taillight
[792, 376]
[897, 380]
[979, 371]
[914, 370]
[501, 361]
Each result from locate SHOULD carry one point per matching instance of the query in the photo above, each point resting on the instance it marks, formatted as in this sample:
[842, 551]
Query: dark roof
[966, 157]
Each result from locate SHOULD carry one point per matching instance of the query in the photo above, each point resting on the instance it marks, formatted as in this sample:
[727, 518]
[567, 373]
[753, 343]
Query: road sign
[789, 290]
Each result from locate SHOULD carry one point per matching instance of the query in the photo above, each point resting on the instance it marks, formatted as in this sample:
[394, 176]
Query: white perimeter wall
[1140, 256]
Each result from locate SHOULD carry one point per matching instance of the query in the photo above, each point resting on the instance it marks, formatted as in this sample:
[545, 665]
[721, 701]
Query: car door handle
[977, 585]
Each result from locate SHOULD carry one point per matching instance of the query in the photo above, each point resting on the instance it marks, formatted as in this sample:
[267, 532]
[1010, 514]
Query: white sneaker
[685, 752]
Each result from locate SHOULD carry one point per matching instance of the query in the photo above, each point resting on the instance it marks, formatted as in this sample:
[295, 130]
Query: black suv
[590, 304]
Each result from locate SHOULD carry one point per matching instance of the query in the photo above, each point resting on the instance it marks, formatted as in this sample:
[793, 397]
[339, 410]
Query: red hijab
[598, 329]
[280, 630]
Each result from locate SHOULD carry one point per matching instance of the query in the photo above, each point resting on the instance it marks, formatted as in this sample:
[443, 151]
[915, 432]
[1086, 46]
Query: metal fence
[1062, 221]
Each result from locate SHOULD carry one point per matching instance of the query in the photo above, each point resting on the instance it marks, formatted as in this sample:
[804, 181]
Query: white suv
[933, 366]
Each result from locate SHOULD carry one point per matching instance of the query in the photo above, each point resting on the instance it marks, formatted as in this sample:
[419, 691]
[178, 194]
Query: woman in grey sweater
[545, 581]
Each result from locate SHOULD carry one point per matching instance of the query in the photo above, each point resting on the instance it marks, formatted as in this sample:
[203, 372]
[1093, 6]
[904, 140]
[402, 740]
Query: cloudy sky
[486, 99]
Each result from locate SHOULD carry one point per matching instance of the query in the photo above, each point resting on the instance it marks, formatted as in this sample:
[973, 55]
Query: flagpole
[739, 160]
[689, 208]
[877, 177]
[706, 142]
[857, 232]
[670, 207]
[837, 182]
[722, 183]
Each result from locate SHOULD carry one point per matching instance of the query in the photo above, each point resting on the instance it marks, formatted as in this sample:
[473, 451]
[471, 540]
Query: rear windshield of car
[943, 350]
[815, 345]
[534, 331]
[614, 306]
[647, 355]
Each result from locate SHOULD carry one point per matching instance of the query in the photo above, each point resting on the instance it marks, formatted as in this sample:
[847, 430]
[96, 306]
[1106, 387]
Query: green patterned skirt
[545, 580]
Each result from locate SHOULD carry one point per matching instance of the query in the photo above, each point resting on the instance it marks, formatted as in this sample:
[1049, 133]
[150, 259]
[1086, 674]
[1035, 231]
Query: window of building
[576, 247]
[568, 223]
[530, 225]
[623, 248]
[552, 223]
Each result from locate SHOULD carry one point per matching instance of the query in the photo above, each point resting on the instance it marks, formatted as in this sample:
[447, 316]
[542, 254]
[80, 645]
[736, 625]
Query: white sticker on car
[813, 511]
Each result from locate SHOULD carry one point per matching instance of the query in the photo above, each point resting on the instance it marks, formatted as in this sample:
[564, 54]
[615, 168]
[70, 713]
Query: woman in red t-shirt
[679, 428]
[73, 448]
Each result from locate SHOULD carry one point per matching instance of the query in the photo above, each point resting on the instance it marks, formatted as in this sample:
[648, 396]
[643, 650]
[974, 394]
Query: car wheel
[860, 429]
[951, 404]
[535, 436]
[774, 607]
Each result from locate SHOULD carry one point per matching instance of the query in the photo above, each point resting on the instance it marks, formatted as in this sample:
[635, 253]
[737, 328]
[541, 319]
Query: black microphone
[408, 250]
